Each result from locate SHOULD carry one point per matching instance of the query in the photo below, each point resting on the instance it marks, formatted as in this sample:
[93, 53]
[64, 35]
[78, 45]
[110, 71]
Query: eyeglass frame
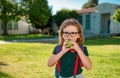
[70, 33]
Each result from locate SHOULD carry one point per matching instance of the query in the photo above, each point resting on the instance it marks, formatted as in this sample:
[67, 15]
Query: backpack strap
[76, 65]
[57, 50]
[76, 62]
[81, 65]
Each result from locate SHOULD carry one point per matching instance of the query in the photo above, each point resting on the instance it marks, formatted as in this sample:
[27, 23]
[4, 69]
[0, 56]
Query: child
[70, 30]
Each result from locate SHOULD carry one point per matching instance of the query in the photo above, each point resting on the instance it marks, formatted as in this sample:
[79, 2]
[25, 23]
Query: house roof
[86, 10]
[110, 5]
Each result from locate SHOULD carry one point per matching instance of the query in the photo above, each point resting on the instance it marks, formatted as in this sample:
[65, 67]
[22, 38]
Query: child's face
[70, 32]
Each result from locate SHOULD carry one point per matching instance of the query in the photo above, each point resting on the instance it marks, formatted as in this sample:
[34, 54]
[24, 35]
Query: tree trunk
[114, 28]
[5, 28]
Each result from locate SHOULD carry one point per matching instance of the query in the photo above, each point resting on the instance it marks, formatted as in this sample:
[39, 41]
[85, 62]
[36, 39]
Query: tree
[38, 12]
[65, 14]
[116, 16]
[93, 3]
[90, 3]
[9, 12]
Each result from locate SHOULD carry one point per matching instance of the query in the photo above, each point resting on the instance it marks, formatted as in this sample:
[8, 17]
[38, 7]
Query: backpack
[57, 68]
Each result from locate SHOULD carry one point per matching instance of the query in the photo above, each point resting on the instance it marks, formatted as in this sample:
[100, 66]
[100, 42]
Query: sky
[73, 4]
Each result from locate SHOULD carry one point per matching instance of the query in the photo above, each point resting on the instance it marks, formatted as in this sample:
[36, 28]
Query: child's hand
[75, 46]
[65, 48]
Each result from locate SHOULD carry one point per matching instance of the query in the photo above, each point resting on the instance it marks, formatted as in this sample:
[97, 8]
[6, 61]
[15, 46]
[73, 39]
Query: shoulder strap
[82, 47]
[76, 62]
[58, 49]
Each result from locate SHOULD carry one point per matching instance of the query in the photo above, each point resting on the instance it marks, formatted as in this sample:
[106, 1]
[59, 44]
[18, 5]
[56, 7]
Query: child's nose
[69, 35]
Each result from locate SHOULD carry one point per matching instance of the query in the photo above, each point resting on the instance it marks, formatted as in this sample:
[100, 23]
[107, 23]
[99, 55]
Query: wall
[23, 28]
[107, 8]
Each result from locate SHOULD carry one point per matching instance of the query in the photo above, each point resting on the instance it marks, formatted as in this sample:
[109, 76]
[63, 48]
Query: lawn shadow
[3, 63]
[4, 75]
[103, 41]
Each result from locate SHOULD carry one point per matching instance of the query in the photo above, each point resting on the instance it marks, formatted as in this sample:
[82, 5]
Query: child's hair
[75, 23]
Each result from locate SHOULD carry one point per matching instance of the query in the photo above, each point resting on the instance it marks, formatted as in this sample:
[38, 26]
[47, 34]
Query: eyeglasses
[72, 34]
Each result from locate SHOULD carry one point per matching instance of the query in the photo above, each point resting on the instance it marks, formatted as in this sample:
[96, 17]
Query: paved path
[4, 42]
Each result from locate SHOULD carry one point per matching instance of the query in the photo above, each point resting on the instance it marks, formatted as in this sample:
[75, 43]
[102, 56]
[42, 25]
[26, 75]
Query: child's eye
[73, 32]
[66, 32]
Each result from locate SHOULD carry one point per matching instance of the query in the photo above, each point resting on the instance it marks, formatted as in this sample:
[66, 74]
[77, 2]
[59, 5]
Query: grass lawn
[29, 60]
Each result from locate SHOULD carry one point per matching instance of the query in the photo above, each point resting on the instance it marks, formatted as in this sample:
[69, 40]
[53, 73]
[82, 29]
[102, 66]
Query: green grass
[25, 60]
[29, 60]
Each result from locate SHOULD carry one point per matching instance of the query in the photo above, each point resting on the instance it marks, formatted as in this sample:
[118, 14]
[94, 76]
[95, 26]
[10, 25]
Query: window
[87, 22]
[15, 26]
[9, 25]
[80, 20]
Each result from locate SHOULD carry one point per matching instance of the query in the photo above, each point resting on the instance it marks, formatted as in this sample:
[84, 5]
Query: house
[20, 27]
[98, 20]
